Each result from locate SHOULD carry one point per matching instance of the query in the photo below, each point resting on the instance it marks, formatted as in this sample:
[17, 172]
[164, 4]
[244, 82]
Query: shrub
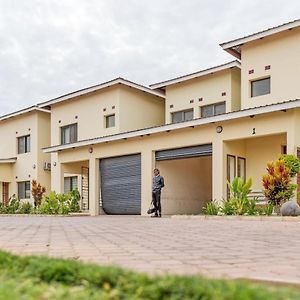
[228, 208]
[292, 162]
[25, 208]
[74, 201]
[277, 184]
[211, 208]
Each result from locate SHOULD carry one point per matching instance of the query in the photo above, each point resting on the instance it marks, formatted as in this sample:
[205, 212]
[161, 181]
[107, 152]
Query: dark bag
[151, 209]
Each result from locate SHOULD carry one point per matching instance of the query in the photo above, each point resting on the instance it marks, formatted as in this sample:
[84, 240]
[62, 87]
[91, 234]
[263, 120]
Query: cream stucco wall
[188, 184]
[140, 110]
[234, 130]
[209, 88]
[28, 165]
[281, 52]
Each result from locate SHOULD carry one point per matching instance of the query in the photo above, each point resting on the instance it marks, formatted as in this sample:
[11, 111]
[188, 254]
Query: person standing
[157, 185]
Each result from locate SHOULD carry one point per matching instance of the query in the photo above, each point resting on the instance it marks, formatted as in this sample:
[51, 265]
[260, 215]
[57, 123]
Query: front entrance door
[5, 193]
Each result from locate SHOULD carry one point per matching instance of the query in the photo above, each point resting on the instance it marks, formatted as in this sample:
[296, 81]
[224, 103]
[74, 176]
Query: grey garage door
[121, 185]
[186, 152]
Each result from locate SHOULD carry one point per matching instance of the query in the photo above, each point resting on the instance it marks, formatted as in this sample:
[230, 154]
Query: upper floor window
[24, 190]
[24, 144]
[70, 184]
[69, 134]
[260, 87]
[213, 109]
[184, 115]
[110, 121]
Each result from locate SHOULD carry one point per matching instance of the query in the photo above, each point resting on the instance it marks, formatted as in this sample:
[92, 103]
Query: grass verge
[45, 278]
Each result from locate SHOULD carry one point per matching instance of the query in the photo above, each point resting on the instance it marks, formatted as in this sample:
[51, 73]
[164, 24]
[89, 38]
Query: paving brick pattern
[263, 250]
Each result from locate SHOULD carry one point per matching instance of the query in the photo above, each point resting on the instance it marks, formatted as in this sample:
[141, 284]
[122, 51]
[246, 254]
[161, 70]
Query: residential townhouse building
[23, 135]
[201, 130]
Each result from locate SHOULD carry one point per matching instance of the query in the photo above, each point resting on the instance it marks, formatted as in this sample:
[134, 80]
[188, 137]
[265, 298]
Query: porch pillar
[57, 177]
[147, 166]
[94, 186]
[218, 170]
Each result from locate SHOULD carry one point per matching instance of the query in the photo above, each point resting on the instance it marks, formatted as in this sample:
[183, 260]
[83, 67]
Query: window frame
[26, 192]
[241, 160]
[229, 157]
[182, 113]
[259, 80]
[62, 134]
[106, 121]
[213, 105]
[27, 144]
[70, 187]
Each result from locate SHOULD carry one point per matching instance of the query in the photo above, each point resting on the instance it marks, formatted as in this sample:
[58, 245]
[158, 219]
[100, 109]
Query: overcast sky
[51, 47]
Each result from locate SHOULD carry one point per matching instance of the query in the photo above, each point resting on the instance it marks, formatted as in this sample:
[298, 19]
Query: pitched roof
[23, 111]
[201, 73]
[233, 46]
[99, 87]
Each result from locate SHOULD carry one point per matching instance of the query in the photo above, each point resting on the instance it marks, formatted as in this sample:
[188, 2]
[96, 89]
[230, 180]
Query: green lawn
[44, 278]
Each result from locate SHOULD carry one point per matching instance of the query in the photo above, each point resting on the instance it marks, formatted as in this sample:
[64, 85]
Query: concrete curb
[239, 218]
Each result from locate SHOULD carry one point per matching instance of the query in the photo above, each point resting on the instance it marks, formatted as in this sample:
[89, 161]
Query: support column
[147, 166]
[218, 167]
[94, 186]
[57, 177]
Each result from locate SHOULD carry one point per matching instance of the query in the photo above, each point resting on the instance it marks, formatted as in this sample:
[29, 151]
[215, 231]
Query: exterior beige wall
[29, 165]
[209, 88]
[140, 110]
[87, 112]
[281, 52]
[257, 151]
[282, 122]
[188, 185]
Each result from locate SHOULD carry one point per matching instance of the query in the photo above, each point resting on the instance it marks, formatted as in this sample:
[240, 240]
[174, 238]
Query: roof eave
[164, 84]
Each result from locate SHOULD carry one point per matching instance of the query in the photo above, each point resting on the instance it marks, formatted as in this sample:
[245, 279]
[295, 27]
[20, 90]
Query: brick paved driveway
[218, 248]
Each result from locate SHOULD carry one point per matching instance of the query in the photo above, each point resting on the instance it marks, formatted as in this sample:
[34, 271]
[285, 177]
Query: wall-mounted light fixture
[253, 131]
[54, 164]
[34, 166]
[219, 129]
[91, 149]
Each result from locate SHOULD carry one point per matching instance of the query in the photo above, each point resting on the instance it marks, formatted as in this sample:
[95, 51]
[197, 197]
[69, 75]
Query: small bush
[211, 208]
[228, 208]
[25, 208]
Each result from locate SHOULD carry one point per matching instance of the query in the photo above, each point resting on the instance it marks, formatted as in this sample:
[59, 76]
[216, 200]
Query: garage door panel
[185, 152]
[121, 184]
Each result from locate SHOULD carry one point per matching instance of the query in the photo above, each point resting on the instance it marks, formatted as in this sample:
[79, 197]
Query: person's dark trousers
[156, 202]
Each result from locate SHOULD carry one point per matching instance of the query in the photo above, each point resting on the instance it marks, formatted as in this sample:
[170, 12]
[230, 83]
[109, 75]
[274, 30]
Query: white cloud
[48, 48]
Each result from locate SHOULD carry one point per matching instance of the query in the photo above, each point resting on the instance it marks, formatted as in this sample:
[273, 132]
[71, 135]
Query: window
[70, 184]
[180, 116]
[260, 87]
[24, 190]
[241, 168]
[213, 110]
[110, 121]
[24, 144]
[230, 171]
[69, 134]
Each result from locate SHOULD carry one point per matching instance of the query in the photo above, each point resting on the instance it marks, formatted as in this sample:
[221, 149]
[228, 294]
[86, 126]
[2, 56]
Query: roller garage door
[186, 152]
[121, 185]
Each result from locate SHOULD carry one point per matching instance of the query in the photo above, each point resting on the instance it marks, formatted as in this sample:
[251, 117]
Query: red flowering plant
[277, 183]
[37, 192]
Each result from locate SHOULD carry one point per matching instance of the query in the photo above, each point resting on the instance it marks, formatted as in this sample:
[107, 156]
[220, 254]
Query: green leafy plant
[228, 208]
[74, 201]
[25, 208]
[251, 208]
[292, 162]
[278, 187]
[211, 208]
[239, 191]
